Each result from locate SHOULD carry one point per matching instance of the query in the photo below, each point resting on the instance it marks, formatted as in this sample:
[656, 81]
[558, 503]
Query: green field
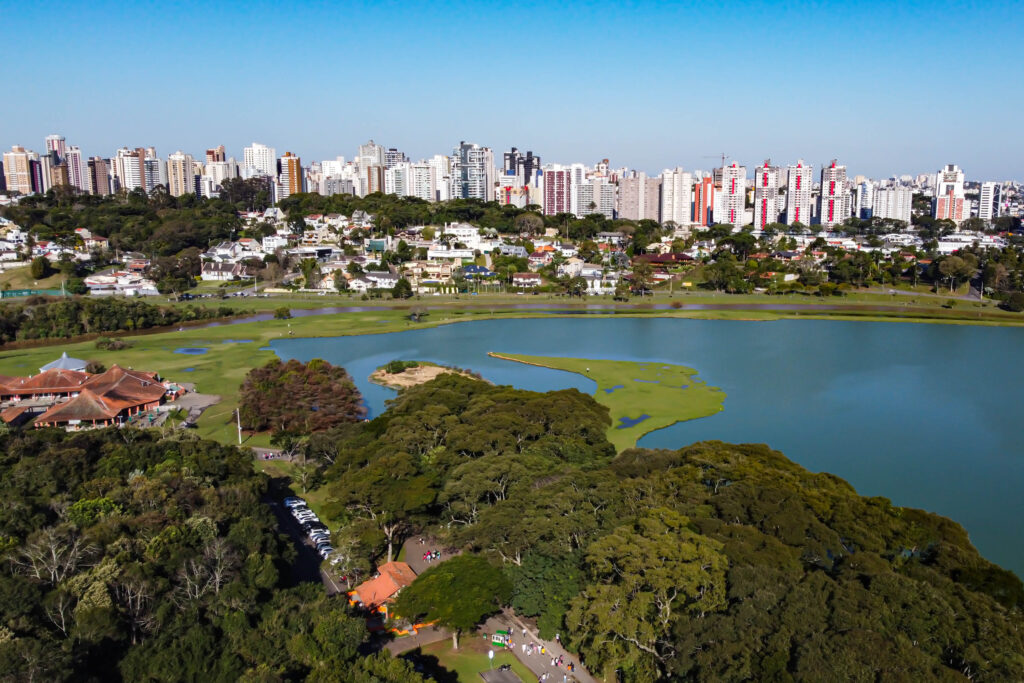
[665, 394]
[471, 658]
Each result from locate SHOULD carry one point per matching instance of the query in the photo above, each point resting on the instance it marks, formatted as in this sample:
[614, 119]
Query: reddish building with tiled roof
[391, 578]
[56, 382]
[92, 400]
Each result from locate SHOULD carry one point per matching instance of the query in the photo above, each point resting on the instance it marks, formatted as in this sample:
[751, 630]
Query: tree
[282, 313]
[40, 268]
[480, 590]
[402, 289]
[646, 576]
[643, 275]
[310, 268]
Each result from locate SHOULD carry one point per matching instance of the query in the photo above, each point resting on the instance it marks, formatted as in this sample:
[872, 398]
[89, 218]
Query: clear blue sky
[886, 87]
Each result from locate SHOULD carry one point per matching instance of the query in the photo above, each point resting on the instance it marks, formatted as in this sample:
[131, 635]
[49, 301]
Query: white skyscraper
[128, 170]
[798, 193]
[835, 195]
[442, 166]
[472, 172]
[864, 200]
[767, 204]
[261, 158]
[893, 203]
[423, 181]
[988, 201]
[734, 192]
[676, 196]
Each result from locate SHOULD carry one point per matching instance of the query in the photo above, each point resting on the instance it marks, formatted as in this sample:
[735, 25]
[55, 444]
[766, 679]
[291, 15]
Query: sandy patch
[412, 376]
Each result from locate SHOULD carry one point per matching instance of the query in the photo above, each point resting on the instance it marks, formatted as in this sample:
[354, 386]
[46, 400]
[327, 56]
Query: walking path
[538, 663]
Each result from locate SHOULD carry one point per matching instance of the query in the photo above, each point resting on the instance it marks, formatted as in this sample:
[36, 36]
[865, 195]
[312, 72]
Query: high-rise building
[734, 194]
[56, 143]
[442, 166]
[988, 201]
[423, 181]
[215, 154]
[676, 196]
[864, 200]
[181, 177]
[260, 158]
[128, 170]
[639, 197]
[77, 171]
[949, 195]
[291, 175]
[18, 170]
[525, 166]
[557, 190]
[155, 171]
[835, 196]
[892, 203]
[703, 200]
[371, 153]
[799, 181]
[59, 175]
[393, 157]
[472, 171]
[767, 204]
[99, 176]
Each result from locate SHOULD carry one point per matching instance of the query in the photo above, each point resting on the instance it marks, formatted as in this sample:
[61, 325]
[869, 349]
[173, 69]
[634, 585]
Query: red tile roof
[392, 577]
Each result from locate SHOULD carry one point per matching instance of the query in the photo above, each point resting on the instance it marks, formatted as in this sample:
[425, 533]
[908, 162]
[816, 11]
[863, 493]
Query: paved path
[538, 663]
[414, 550]
[425, 636]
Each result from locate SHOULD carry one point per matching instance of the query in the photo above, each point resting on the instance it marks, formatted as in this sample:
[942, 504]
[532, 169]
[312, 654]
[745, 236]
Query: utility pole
[238, 417]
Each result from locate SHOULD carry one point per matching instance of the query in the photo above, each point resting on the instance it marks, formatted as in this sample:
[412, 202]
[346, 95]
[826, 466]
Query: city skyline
[641, 85]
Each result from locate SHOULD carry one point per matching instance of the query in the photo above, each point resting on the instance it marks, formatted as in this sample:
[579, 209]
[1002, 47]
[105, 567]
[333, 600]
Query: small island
[640, 397]
[402, 374]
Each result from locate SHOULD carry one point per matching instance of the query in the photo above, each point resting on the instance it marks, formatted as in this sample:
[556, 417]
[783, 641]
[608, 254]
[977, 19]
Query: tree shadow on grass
[430, 665]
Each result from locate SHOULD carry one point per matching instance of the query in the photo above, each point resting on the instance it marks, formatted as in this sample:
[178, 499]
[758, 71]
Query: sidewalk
[538, 663]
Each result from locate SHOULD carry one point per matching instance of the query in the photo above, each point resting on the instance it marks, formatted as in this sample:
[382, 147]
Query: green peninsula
[641, 397]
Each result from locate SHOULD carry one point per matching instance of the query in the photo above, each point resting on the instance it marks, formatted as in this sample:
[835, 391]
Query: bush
[108, 344]
[397, 366]
[282, 313]
[1014, 302]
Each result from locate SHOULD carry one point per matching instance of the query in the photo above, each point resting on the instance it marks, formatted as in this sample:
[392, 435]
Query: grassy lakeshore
[641, 397]
[232, 349]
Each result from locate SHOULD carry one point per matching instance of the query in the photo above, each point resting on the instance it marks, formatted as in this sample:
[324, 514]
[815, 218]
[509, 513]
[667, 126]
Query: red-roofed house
[391, 578]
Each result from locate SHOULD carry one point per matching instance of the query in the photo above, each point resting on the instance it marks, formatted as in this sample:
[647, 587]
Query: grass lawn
[21, 278]
[471, 658]
[642, 396]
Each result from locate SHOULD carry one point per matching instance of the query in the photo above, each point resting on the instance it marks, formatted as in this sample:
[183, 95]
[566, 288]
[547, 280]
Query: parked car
[325, 552]
[293, 502]
[318, 538]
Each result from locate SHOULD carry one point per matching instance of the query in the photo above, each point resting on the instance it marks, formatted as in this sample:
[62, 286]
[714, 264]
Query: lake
[925, 415]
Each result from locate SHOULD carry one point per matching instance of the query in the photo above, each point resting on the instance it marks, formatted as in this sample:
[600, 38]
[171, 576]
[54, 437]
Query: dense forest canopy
[127, 556]
[713, 562]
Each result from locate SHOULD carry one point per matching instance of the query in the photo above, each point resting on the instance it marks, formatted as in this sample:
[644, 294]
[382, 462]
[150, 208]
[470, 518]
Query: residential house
[526, 280]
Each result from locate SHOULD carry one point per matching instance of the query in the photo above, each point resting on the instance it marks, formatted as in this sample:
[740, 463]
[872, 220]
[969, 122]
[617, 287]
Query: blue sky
[887, 88]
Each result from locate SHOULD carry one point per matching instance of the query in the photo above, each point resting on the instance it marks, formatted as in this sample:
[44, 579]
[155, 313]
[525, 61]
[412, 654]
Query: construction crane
[723, 155]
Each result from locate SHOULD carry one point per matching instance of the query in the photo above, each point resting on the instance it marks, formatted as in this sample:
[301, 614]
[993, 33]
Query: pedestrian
[524, 633]
[558, 639]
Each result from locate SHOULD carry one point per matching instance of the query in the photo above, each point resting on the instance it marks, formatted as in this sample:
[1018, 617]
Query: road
[538, 663]
[306, 567]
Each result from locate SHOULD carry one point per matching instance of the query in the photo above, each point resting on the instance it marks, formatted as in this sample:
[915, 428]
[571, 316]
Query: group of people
[431, 555]
[556, 662]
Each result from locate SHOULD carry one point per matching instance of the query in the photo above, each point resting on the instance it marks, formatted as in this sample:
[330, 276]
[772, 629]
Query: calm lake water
[925, 415]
